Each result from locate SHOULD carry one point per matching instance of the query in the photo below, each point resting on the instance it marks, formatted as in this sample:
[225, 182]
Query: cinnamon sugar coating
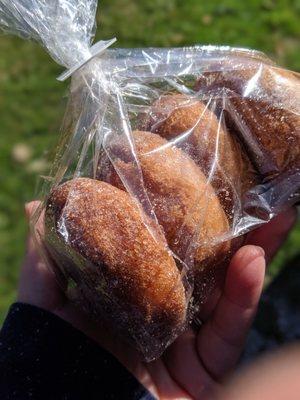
[183, 200]
[196, 130]
[96, 231]
[264, 104]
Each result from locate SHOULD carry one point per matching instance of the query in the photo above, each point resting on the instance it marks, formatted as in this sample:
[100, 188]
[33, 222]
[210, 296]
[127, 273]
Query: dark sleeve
[44, 357]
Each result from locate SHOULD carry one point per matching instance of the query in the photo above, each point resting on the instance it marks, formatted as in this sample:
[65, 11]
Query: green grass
[32, 105]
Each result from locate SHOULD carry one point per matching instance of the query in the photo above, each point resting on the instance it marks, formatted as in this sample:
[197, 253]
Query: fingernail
[27, 210]
[30, 208]
[260, 251]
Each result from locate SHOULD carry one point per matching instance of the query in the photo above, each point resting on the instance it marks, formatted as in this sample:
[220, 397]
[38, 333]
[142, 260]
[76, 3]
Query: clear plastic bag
[167, 158]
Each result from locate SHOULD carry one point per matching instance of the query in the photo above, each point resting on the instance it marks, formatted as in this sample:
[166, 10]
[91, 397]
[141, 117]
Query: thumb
[37, 284]
[31, 256]
[31, 208]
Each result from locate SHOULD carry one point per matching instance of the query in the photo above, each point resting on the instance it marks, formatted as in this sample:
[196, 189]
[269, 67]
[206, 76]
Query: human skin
[197, 362]
[276, 377]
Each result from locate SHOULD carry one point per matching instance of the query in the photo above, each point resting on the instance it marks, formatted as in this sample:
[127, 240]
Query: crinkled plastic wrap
[167, 158]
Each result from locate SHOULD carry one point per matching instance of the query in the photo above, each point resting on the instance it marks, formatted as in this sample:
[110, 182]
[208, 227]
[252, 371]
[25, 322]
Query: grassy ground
[31, 100]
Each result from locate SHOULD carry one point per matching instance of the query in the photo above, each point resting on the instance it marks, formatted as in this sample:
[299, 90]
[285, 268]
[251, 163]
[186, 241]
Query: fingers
[31, 208]
[275, 376]
[272, 235]
[37, 284]
[31, 257]
[185, 366]
[165, 386]
[221, 339]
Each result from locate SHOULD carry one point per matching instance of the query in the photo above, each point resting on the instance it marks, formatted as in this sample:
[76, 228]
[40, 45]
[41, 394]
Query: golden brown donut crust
[265, 114]
[93, 221]
[216, 151]
[184, 202]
